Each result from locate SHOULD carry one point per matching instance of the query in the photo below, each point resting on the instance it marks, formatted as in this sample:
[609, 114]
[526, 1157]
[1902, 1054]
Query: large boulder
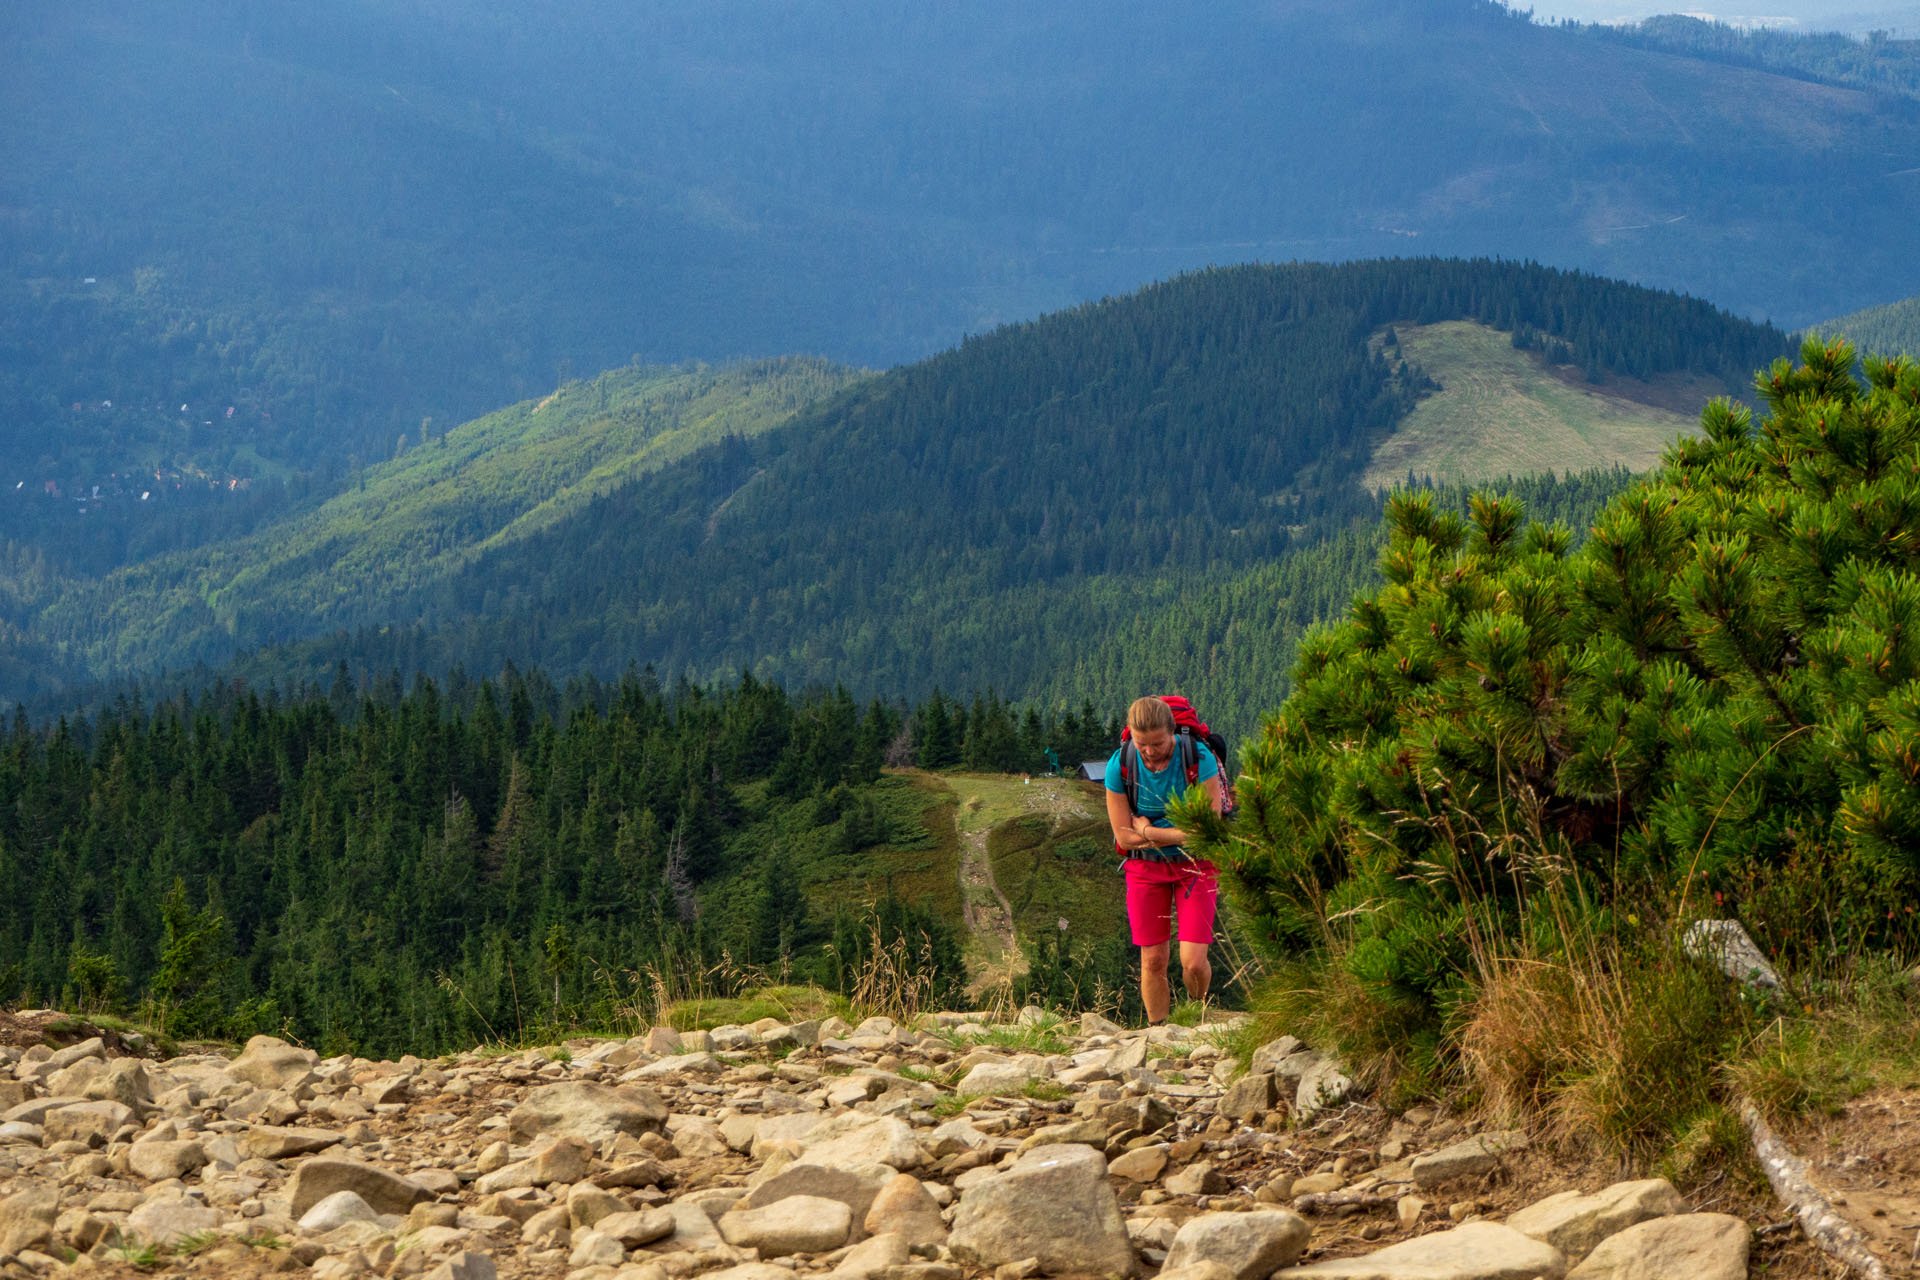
[583, 1109]
[271, 1063]
[797, 1224]
[1476, 1251]
[1054, 1205]
[1697, 1246]
[320, 1176]
[1574, 1223]
[1250, 1245]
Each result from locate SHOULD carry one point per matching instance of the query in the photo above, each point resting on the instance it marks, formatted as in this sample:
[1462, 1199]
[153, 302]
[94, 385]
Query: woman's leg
[1195, 968]
[1153, 981]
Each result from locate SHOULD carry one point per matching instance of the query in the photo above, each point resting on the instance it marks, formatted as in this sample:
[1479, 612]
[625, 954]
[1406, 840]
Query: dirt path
[986, 801]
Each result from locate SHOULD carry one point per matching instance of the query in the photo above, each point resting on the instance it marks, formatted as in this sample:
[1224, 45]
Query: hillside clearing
[1505, 412]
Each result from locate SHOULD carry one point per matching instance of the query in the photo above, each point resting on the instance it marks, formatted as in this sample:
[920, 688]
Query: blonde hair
[1148, 714]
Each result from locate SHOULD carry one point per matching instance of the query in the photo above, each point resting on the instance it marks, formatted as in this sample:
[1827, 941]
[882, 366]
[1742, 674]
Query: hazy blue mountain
[339, 218]
[1159, 486]
[1893, 329]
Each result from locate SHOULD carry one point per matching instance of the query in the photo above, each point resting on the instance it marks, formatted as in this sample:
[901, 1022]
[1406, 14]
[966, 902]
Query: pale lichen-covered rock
[904, 1208]
[1468, 1158]
[157, 1161]
[272, 1063]
[1696, 1246]
[165, 1220]
[26, 1219]
[584, 1109]
[797, 1224]
[1574, 1223]
[1054, 1205]
[90, 1122]
[1476, 1251]
[320, 1176]
[1251, 1245]
[336, 1211]
[273, 1142]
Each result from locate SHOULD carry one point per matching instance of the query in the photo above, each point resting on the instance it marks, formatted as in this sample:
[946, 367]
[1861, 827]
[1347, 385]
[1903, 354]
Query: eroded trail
[986, 802]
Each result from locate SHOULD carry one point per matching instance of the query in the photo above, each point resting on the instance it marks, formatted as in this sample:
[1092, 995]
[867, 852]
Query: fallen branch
[1325, 1201]
[1823, 1224]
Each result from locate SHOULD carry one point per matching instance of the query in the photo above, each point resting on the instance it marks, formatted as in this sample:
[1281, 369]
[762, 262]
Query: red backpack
[1189, 730]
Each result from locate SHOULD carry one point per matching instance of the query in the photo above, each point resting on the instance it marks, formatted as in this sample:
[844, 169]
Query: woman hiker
[1164, 882]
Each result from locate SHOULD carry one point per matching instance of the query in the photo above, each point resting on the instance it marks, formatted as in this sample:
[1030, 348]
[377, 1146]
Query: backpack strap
[1190, 757]
[1130, 774]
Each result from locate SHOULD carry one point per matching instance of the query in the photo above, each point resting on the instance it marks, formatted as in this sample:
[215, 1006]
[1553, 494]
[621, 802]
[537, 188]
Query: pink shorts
[1158, 892]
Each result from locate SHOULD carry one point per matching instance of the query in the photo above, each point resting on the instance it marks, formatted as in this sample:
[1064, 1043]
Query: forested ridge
[342, 219]
[403, 869]
[1052, 480]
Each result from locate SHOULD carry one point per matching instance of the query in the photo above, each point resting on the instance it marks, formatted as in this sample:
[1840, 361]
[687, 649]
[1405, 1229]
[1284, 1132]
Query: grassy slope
[1890, 330]
[1046, 840]
[421, 517]
[1504, 412]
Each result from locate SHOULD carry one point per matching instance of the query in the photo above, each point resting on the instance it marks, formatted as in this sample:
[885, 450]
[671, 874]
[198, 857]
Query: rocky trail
[948, 1150]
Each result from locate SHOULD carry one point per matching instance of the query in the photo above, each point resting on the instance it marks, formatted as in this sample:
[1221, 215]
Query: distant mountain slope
[1502, 410]
[1000, 514]
[340, 217]
[1890, 330]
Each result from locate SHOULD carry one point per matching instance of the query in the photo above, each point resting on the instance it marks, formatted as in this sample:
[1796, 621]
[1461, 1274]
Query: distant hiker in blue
[1164, 881]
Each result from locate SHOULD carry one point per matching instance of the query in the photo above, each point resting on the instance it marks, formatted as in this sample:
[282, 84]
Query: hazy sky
[1811, 14]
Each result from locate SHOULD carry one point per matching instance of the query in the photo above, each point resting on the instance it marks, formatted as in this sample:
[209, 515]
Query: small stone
[634, 1228]
[1574, 1223]
[1468, 1158]
[1315, 1184]
[1250, 1245]
[1407, 1211]
[1477, 1251]
[465, 1265]
[1698, 1246]
[272, 1142]
[796, 1224]
[271, 1063]
[1322, 1085]
[158, 1161]
[556, 1159]
[1248, 1098]
[904, 1208]
[1197, 1180]
[995, 1078]
[588, 1204]
[871, 1257]
[1142, 1164]
[164, 1219]
[592, 1249]
[27, 1218]
[1055, 1205]
[336, 1210]
[320, 1176]
[587, 1110]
